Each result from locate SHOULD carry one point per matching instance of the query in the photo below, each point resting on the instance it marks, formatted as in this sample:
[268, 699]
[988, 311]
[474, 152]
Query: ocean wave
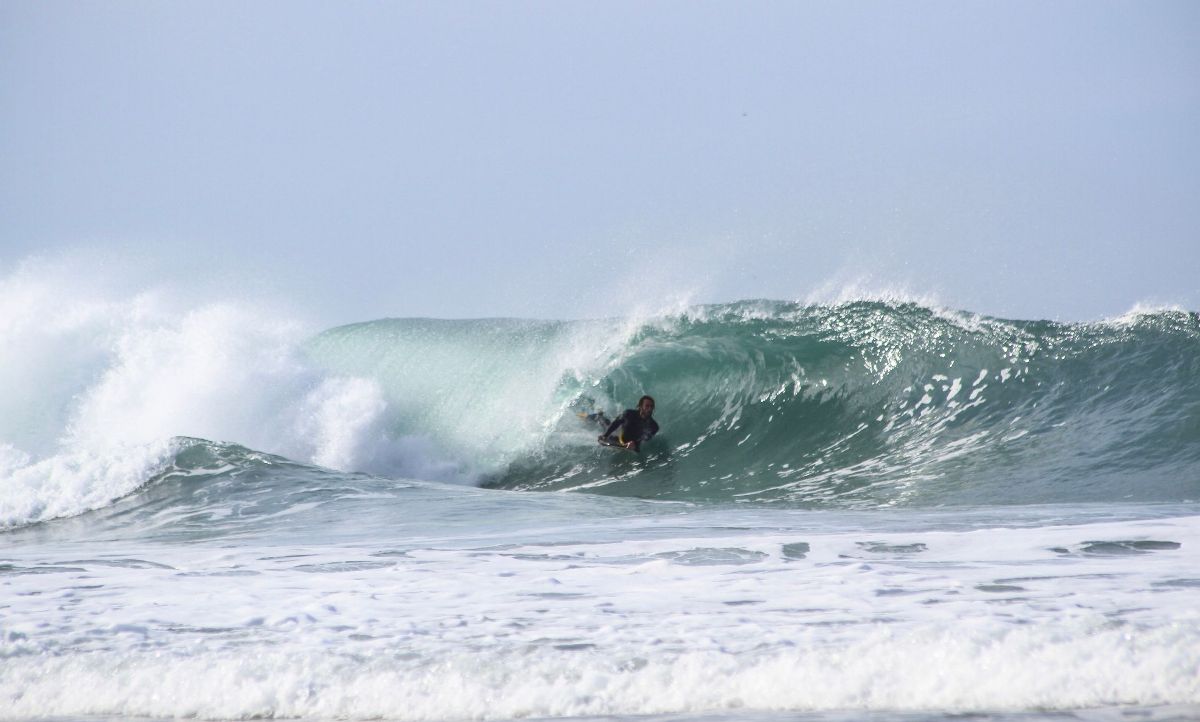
[856, 403]
[859, 403]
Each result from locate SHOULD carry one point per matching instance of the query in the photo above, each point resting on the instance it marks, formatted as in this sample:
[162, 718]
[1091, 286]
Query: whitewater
[874, 508]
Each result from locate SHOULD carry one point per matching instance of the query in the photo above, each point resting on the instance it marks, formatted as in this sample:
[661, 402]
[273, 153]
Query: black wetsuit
[633, 428]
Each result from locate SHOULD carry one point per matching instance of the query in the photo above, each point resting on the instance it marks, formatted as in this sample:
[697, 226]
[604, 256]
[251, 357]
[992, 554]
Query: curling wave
[859, 404]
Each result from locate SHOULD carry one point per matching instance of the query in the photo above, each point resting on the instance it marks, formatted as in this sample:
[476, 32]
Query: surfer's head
[646, 406]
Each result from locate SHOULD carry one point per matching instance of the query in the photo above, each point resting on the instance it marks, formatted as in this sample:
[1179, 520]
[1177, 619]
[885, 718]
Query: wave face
[862, 404]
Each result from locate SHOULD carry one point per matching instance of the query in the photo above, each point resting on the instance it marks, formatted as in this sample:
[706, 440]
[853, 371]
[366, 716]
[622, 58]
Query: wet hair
[646, 398]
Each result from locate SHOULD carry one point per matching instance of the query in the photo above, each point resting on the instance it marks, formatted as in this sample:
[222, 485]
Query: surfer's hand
[628, 444]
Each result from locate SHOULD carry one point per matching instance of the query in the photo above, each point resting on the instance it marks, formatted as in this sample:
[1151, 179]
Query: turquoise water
[865, 404]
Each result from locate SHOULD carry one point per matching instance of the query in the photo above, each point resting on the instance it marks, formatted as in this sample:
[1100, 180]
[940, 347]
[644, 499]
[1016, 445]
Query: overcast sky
[561, 159]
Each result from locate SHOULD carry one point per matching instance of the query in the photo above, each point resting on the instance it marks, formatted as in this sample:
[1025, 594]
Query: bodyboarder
[632, 427]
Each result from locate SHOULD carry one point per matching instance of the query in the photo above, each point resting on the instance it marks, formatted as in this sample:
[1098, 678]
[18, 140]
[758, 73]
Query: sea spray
[98, 384]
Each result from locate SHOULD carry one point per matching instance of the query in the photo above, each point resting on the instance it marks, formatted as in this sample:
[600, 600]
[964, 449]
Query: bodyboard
[615, 445]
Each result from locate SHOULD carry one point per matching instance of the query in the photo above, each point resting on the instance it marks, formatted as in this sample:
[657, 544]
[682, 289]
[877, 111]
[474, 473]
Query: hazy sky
[1024, 159]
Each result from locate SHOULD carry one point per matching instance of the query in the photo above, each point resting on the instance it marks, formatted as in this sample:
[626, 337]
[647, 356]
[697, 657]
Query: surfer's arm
[613, 426]
[620, 421]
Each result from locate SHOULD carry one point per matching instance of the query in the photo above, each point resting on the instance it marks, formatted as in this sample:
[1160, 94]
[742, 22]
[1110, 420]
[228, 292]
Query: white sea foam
[341, 416]
[680, 619]
[72, 482]
[97, 379]
[966, 670]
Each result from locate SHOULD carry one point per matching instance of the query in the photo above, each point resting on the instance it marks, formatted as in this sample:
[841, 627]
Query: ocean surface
[868, 510]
